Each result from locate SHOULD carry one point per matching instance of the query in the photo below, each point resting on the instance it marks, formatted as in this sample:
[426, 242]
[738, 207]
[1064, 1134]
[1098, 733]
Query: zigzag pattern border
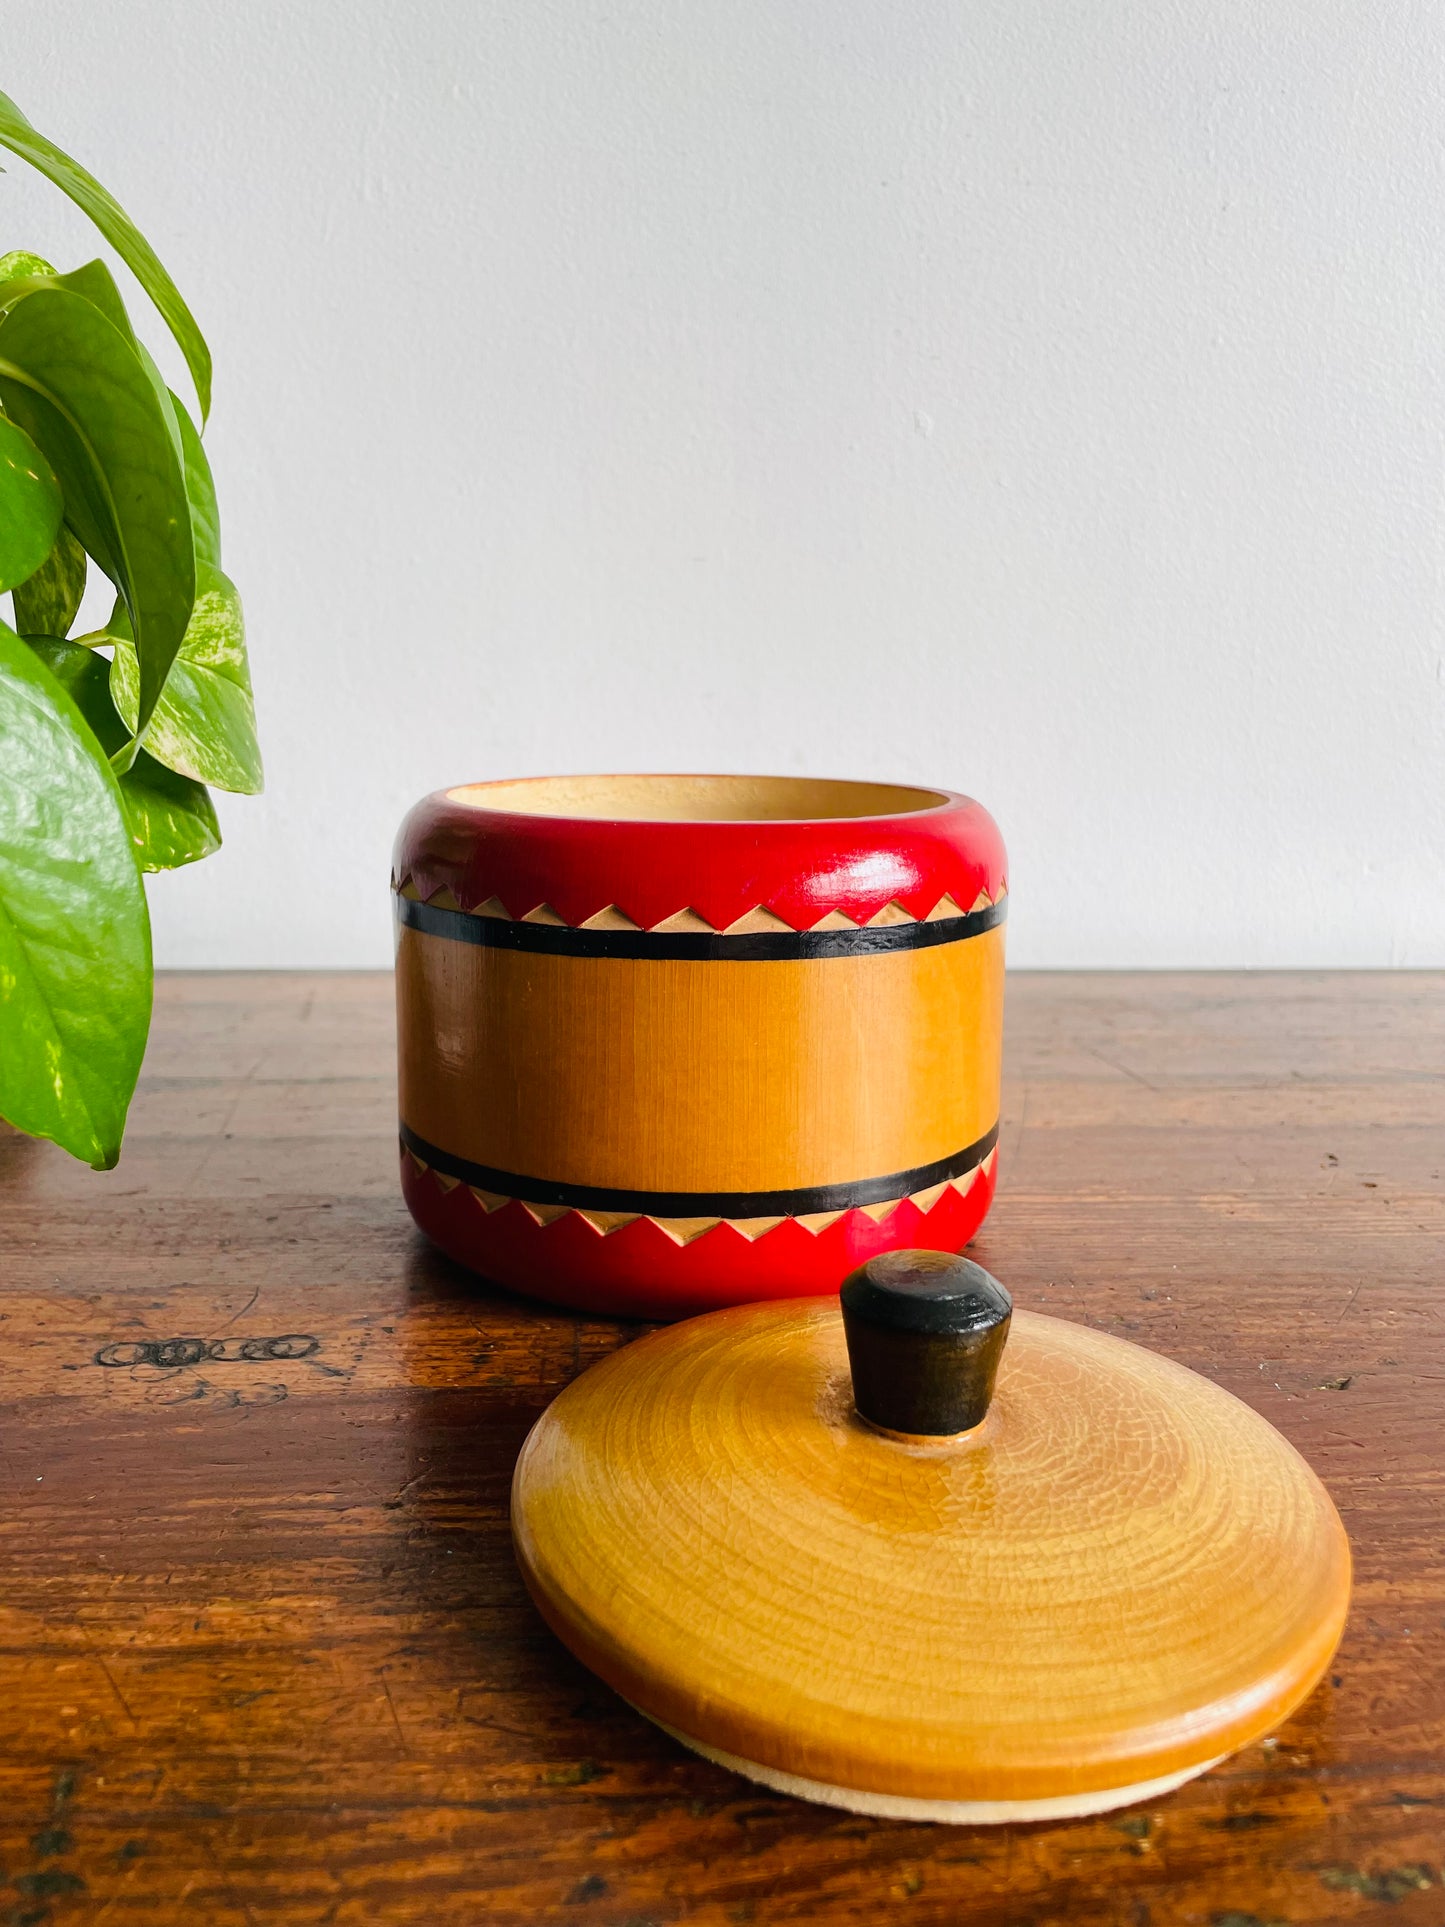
[759, 921]
[685, 1231]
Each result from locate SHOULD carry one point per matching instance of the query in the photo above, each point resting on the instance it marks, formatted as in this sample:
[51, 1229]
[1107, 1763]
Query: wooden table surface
[264, 1654]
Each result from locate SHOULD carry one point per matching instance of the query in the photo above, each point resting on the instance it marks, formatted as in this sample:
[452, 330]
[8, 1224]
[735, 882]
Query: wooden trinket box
[669, 1043]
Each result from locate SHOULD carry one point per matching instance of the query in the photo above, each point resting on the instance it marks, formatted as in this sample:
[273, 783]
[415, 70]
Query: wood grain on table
[264, 1653]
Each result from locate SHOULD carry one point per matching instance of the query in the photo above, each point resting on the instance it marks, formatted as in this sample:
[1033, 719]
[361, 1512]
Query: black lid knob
[925, 1333]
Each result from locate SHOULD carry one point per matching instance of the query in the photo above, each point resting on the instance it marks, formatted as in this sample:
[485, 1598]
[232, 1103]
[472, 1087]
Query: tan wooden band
[700, 1075]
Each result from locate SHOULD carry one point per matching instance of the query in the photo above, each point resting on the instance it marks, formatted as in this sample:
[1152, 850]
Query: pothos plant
[108, 740]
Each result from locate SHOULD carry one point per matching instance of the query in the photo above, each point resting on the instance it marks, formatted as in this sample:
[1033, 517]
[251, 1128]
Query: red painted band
[650, 870]
[641, 1272]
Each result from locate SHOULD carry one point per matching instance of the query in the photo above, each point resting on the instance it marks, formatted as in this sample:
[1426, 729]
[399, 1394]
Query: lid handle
[925, 1332]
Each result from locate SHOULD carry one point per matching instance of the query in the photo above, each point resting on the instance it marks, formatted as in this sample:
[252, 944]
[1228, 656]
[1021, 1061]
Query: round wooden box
[669, 1043]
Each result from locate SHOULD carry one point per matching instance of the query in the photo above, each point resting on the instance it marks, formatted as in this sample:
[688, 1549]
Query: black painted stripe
[561, 940]
[703, 1204]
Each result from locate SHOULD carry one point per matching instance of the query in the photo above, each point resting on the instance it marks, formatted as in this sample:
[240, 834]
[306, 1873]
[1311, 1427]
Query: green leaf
[47, 602]
[19, 265]
[97, 284]
[19, 273]
[200, 488]
[75, 950]
[30, 506]
[74, 381]
[115, 224]
[172, 819]
[94, 280]
[205, 722]
[83, 675]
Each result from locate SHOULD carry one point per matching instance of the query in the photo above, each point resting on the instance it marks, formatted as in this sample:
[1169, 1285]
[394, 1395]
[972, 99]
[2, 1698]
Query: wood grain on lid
[1125, 1572]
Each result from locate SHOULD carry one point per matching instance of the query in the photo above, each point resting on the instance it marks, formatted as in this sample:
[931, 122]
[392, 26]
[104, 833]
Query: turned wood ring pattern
[1121, 1575]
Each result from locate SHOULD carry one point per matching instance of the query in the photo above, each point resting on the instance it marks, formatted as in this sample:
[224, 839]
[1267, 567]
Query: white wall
[1043, 400]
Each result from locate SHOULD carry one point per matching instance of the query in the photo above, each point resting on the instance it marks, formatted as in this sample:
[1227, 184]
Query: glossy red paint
[640, 1271]
[798, 870]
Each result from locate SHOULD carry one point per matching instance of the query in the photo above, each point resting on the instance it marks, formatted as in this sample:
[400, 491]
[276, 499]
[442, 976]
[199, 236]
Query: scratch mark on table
[1124, 1070]
[391, 1708]
[99, 1659]
[244, 1309]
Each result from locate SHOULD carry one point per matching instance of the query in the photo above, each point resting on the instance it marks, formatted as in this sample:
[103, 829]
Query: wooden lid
[1118, 1577]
